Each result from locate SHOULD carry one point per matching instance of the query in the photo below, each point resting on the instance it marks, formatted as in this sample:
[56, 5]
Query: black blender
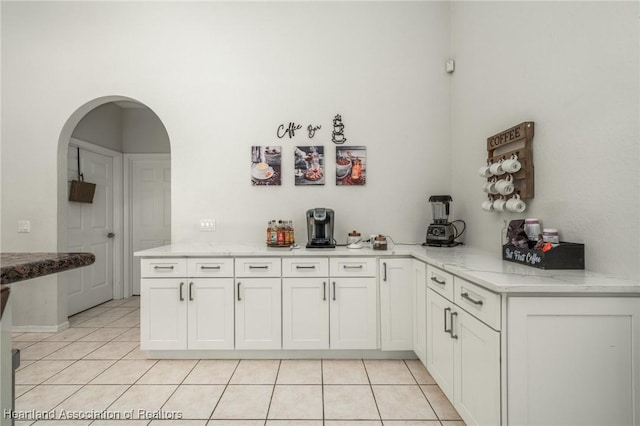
[442, 233]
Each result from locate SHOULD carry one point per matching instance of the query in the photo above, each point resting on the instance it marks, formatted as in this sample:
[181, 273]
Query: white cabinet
[396, 304]
[305, 313]
[573, 360]
[305, 303]
[353, 313]
[463, 353]
[258, 304]
[419, 277]
[185, 313]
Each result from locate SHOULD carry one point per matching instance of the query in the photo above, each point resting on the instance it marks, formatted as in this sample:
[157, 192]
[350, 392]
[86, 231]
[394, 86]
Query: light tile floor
[96, 368]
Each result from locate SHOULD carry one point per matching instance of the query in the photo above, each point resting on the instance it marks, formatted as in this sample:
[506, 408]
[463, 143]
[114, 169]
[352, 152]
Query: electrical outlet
[207, 224]
[24, 226]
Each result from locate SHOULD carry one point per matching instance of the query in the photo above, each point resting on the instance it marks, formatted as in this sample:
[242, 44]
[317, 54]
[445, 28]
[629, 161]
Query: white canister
[532, 228]
[354, 238]
[550, 235]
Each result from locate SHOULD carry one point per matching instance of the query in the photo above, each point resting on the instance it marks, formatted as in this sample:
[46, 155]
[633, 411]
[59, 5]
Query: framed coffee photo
[351, 165]
[266, 165]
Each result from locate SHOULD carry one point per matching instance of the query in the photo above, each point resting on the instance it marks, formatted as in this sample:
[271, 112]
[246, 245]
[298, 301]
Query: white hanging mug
[496, 168]
[484, 171]
[490, 187]
[505, 186]
[499, 204]
[515, 204]
[511, 165]
[487, 205]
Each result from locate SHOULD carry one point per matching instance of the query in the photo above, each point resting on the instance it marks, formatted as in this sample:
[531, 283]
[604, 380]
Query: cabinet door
[396, 305]
[163, 313]
[573, 360]
[305, 313]
[476, 370]
[419, 277]
[258, 313]
[439, 342]
[210, 313]
[353, 313]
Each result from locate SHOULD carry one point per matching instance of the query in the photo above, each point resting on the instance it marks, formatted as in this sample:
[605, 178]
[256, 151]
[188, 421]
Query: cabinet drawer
[167, 267]
[479, 302]
[258, 267]
[440, 281]
[352, 267]
[307, 267]
[209, 267]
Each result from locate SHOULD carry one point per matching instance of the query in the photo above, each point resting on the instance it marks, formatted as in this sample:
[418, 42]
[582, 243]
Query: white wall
[143, 132]
[102, 126]
[222, 77]
[572, 68]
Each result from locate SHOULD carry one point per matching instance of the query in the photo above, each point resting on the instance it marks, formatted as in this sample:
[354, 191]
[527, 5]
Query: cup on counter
[511, 165]
[496, 168]
[499, 204]
[484, 171]
[487, 206]
[515, 204]
[505, 186]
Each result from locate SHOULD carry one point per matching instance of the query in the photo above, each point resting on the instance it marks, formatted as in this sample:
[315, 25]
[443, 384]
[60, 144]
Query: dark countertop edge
[33, 265]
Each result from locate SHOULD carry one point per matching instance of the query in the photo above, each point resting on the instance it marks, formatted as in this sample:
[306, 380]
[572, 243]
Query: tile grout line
[223, 391]
[273, 391]
[364, 364]
[422, 391]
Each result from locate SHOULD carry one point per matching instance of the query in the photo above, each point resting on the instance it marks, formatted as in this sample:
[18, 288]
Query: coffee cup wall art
[266, 165]
[309, 165]
[351, 165]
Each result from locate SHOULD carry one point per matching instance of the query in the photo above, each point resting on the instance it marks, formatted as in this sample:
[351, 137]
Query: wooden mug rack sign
[516, 140]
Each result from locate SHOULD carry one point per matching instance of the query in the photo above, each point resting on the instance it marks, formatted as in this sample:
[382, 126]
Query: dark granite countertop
[23, 266]
[16, 267]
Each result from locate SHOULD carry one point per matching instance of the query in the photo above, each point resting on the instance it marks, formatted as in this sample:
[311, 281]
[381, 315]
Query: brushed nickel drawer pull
[239, 299]
[163, 267]
[384, 266]
[352, 267]
[181, 296]
[453, 336]
[305, 267]
[437, 281]
[191, 291]
[334, 291]
[470, 299]
[445, 320]
[258, 267]
[216, 268]
[324, 290]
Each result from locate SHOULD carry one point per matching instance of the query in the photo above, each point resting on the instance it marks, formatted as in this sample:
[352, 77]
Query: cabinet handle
[445, 320]
[324, 290]
[384, 267]
[181, 297]
[334, 290]
[258, 267]
[217, 268]
[352, 267]
[163, 267]
[239, 299]
[191, 291]
[305, 267]
[437, 281]
[470, 299]
[453, 336]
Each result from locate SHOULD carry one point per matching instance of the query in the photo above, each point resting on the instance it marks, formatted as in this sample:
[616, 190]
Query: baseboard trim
[280, 354]
[40, 328]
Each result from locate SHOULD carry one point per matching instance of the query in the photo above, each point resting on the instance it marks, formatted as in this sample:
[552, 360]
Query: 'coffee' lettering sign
[508, 136]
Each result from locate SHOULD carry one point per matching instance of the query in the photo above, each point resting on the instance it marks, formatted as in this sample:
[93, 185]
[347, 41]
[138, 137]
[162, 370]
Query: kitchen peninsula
[483, 327]
[15, 267]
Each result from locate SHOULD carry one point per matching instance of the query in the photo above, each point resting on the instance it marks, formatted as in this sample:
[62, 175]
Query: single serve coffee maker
[320, 228]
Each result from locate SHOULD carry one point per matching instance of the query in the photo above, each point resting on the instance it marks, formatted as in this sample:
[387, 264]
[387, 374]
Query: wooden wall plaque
[516, 140]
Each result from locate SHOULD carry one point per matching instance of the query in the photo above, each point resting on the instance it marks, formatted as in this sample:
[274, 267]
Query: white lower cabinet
[574, 360]
[353, 313]
[396, 304]
[305, 313]
[419, 278]
[179, 313]
[258, 313]
[463, 356]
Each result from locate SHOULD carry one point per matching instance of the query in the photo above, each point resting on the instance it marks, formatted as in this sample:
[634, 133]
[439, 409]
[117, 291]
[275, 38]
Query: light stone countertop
[481, 267]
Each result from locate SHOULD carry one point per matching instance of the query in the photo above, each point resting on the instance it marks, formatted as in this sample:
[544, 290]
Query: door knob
[111, 235]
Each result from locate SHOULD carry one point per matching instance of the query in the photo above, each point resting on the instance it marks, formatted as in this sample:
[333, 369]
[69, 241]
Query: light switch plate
[24, 226]
[207, 224]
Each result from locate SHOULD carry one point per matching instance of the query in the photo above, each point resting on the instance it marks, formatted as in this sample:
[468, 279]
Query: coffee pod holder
[562, 256]
[515, 142]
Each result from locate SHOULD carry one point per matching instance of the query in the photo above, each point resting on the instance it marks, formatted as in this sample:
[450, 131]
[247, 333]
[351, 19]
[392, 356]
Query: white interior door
[150, 208]
[88, 226]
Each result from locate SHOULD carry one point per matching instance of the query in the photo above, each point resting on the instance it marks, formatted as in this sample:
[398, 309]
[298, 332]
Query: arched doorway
[122, 146]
